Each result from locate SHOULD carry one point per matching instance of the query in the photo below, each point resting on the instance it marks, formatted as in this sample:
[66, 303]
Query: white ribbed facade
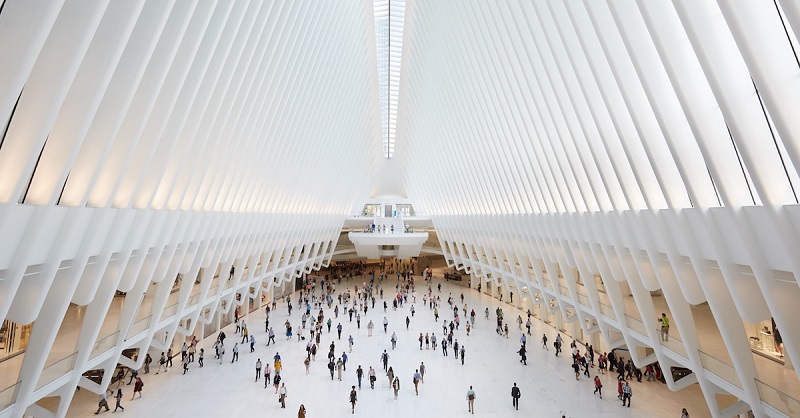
[151, 139]
[573, 152]
[638, 146]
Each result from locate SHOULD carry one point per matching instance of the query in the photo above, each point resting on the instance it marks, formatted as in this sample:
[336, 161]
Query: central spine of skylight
[389, 18]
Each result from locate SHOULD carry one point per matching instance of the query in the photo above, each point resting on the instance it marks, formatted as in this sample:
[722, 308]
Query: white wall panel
[156, 138]
[630, 140]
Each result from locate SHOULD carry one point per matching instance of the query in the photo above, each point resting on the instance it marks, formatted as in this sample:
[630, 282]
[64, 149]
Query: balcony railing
[673, 343]
[584, 300]
[607, 310]
[169, 311]
[56, 369]
[140, 326]
[104, 344]
[778, 399]
[8, 396]
[718, 367]
[636, 325]
[564, 291]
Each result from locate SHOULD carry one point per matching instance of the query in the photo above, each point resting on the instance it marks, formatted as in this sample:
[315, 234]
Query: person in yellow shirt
[664, 327]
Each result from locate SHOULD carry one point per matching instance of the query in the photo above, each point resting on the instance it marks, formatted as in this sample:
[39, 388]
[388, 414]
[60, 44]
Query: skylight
[389, 16]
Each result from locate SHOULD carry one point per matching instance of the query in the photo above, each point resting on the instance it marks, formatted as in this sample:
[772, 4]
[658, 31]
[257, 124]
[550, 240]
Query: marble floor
[547, 383]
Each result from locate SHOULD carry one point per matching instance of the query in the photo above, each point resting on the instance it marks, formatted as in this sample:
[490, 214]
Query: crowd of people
[326, 303]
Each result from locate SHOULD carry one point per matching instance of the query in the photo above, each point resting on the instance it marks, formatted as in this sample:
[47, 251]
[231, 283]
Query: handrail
[8, 396]
[58, 368]
[778, 399]
[139, 326]
[104, 344]
[583, 300]
[636, 324]
[193, 299]
[720, 368]
[607, 310]
[673, 343]
[564, 291]
[169, 311]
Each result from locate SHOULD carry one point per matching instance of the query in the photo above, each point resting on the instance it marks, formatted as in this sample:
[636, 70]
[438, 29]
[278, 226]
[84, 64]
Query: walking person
[627, 393]
[385, 360]
[267, 375]
[331, 366]
[359, 375]
[390, 375]
[557, 344]
[664, 321]
[118, 398]
[235, 352]
[162, 362]
[422, 372]
[147, 361]
[103, 403]
[396, 386]
[353, 399]
[200, 357]
[258, 369]
[544, 342]
[137, 388]
[416, 380]
[282, 395]
[471, 394]
[598, 386]
[515, 395]
[302, 412]
[372, 378]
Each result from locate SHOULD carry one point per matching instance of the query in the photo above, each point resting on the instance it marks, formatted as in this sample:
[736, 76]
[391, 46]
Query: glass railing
[584, 300]
[673, 343]
[193, 299]
[607, 310]
[8, 396]
[778, 399]
[228, 284]
[169, 311]
[636, 325]
[720, 368]
[212, 290]
[56, 369]
[104, 344]
[564, 291]
[139, 326]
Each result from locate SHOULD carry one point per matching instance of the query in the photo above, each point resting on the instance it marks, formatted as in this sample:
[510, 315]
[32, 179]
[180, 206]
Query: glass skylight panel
[389, 18]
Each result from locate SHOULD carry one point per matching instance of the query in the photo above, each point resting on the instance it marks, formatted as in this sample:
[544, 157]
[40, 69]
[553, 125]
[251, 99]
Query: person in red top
[598, 386]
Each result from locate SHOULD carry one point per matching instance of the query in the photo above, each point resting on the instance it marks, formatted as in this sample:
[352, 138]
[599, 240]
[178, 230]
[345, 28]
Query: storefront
[765, 339]
[13, 339]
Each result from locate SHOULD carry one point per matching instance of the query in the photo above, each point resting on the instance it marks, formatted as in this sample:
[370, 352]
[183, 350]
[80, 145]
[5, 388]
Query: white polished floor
[547, 383]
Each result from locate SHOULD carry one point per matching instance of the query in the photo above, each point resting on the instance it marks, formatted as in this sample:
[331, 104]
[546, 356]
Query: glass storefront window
[13, 339]
[765, 339]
